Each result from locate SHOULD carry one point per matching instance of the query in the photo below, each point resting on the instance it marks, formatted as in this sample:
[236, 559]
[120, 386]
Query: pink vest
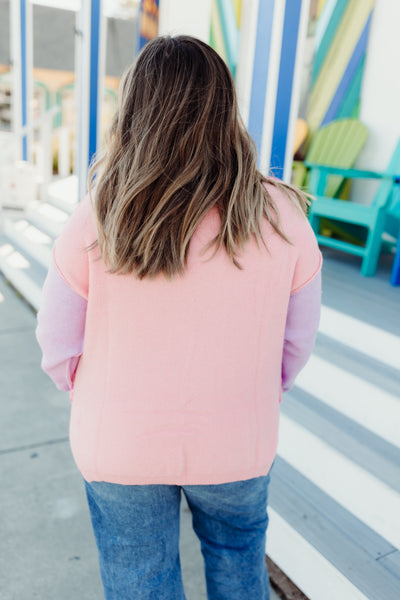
[180, 382]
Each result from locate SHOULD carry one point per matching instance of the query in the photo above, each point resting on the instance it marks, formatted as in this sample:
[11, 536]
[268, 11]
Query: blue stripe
[353, 94]
[94, 75]
[24, 93]
[348, 75]
[285, 85]
[260, 70]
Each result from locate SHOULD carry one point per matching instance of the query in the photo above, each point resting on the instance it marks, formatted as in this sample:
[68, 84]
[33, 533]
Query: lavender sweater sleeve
[301, 329]
[60, 329]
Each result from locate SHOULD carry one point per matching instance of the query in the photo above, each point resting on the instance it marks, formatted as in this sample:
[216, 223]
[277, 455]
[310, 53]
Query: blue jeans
[136, 528]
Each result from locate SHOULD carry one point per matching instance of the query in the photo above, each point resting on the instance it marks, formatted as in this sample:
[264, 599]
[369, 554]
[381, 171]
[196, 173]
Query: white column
[247, 46]
[298, 71]
[272, 86]
[89, 53]
[185, 17]
[21, 52]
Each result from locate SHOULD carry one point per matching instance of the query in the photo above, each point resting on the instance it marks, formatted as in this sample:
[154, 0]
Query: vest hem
[200, 479]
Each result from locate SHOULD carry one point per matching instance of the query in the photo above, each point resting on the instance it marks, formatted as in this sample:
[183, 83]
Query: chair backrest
[394, 165]
[337, 145]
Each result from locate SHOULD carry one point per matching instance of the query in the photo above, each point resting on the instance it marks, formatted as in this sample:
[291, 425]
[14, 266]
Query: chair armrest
[349, 173]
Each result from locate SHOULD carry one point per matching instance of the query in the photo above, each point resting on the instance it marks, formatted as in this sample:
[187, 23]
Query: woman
[176, 356]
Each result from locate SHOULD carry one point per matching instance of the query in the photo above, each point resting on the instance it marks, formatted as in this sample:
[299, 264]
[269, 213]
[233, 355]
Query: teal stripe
[323, 21]
[328, 37]
[230, 32]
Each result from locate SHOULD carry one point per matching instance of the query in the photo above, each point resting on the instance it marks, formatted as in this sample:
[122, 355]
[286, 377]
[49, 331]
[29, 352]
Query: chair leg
[373, 246]
[395, 276]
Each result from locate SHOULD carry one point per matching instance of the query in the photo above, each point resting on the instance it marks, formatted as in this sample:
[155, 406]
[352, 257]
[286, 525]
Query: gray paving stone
[46, 541]
[14, 313]
[33, 410]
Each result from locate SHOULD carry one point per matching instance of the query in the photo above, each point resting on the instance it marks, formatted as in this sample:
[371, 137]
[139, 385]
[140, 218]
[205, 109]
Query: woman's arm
[301, 330]
[60, 329]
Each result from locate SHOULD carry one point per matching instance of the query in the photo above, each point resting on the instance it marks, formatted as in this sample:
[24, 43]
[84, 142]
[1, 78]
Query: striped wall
[341, 41]
[224, 30]
[268, 76]
[269, 67]
[262, 42]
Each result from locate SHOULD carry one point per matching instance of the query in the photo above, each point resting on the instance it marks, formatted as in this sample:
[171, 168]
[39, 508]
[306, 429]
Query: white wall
[189, 17]
[380, 94]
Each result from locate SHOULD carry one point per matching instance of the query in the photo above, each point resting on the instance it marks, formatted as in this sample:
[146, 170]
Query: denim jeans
[136, 528]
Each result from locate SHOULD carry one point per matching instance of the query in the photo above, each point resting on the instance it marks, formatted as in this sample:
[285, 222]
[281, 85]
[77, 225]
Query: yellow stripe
[238, 10]
[337, 59]
[217, 31]
[320, 7]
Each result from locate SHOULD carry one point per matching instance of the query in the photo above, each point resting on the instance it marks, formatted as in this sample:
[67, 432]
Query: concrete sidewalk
[47, 549]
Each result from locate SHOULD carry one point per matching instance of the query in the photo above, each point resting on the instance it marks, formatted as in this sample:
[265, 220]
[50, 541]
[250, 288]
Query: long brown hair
[175, 148]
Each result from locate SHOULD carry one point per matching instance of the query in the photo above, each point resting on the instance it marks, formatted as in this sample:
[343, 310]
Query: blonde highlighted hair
[176, 148]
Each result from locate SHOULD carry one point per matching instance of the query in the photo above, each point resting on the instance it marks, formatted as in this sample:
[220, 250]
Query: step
[358, 444]
[62, 204]
[361, 336]
[380, 372]
[24, 272]
[63, 193]
[354, 487]
[47, 218]
[322, 547]
[361, 400]
[27, 239]
[335, 493]
[35, 243]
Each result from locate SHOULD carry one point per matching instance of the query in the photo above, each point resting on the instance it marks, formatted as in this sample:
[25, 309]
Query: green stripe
[329, 35]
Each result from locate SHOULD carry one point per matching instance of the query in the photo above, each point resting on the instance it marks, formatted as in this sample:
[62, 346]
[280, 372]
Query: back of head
[175, 148]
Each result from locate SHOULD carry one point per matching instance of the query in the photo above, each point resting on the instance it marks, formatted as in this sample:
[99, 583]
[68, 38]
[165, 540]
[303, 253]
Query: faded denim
[136, 528]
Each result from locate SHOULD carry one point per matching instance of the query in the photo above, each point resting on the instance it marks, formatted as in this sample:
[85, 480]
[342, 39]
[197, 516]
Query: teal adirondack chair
[372, 218]
[395, 229]
[337, 144]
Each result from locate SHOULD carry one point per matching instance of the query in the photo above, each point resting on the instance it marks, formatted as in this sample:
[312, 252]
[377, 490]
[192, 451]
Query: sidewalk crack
[36, 445]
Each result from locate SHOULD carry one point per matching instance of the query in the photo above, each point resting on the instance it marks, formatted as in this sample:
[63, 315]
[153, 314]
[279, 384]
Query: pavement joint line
[35, 445]
[388, 553]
